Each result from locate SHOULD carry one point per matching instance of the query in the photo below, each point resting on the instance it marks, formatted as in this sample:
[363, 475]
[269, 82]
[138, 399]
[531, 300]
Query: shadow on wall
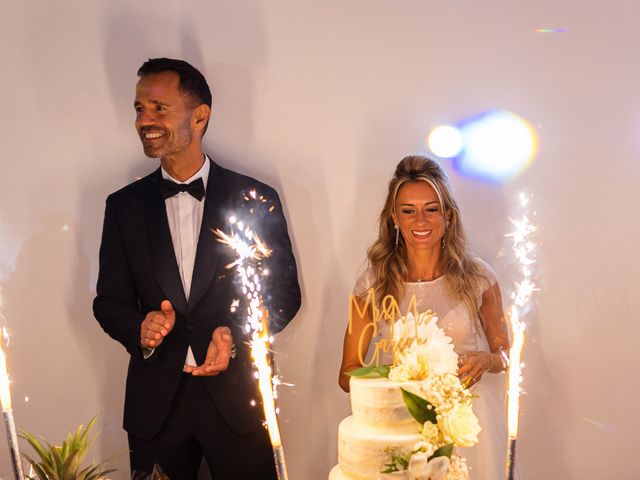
[54, 352]
[231, 127]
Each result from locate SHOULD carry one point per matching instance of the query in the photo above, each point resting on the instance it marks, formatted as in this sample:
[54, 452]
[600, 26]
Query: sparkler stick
[250, 250]
[524, 250]
[7, 413]
[515, 380]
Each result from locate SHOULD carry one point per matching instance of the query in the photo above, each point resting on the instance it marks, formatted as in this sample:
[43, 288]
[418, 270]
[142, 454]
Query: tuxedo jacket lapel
[207, 256]
[161, 249]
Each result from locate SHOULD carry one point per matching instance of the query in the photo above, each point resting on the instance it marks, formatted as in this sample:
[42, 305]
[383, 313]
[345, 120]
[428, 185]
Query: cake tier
[364, 449]
[336, 473]
[378, 401]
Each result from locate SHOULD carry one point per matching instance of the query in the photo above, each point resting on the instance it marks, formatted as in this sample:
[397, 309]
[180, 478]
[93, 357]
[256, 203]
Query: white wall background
[321, 99]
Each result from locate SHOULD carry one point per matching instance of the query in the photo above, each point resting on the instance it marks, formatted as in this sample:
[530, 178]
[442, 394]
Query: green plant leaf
[94, 473]
[420, 409]
[444, 451]
[58, 462]
[35, 444]
[370, 372]
[63, 462]
[40, 473]
[71, 465]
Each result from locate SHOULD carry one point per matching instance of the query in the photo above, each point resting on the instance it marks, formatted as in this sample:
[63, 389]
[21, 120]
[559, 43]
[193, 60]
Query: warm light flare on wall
[494, 146]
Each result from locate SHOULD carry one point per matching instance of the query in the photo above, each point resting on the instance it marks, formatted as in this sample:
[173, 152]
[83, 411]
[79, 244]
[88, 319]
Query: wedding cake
[407, 425]
[380, 423]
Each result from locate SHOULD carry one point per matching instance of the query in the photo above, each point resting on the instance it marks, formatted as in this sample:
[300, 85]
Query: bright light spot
[445, 141]
[65, 228]
[232, 219]
[253, 403]
[26, 399]
[497, 146]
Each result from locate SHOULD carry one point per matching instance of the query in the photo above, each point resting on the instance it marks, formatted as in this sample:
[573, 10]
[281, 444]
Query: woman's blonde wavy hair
[463, 274]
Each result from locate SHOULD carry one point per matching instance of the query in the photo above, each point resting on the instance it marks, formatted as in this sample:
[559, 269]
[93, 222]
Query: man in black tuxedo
[164, 291]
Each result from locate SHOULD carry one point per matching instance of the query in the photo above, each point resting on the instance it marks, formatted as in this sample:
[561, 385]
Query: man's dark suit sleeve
[116, 304]
[281, 288]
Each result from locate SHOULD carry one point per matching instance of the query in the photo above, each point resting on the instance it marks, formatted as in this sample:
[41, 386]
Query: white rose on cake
[460, 425]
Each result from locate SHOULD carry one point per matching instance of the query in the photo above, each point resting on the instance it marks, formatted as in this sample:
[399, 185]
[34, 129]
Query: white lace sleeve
[363, 283]
[489, 280]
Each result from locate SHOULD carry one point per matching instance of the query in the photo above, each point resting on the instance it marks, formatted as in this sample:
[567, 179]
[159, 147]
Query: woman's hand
[356, 341]
[472, 365]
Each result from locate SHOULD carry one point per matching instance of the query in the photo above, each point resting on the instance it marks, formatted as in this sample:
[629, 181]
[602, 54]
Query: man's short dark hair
[192, 82]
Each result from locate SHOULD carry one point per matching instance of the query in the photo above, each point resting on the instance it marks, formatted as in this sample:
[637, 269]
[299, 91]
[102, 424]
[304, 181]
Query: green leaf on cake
[420, 409]
[398, 463]
[371, 372]
[444, 451]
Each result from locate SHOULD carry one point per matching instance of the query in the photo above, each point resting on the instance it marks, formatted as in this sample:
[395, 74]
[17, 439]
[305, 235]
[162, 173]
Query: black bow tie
[169, 189]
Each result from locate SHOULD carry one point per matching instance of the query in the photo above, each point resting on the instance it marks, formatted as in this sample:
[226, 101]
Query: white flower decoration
[426, 348]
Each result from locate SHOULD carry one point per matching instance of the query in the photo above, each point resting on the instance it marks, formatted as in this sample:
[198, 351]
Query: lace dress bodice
[454, 317]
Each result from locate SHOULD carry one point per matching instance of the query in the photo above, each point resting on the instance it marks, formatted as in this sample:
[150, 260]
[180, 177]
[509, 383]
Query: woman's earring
[397, 234]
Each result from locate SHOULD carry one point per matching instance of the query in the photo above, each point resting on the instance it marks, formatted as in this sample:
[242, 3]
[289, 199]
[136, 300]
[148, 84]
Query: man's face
[163, 115]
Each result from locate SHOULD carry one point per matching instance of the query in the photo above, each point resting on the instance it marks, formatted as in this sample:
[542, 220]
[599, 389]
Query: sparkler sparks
[5, 390]
[7, 411]
[524, 251]
[250, 250]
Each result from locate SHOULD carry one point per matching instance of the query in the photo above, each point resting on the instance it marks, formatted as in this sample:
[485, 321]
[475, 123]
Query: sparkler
[524, 250]
[7, 411]
[250, 250]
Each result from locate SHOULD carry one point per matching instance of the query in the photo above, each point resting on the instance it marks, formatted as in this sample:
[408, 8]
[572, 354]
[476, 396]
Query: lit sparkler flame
[515, 372]
[250, 249]
[7, 411]
[524, 251]
[5, 389]
[259, 353]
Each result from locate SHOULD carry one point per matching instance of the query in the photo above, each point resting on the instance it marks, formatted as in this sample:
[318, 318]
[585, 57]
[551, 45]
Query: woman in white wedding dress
[421, 251]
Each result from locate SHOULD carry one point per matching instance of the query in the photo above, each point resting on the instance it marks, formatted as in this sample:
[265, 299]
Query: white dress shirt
[184, 213]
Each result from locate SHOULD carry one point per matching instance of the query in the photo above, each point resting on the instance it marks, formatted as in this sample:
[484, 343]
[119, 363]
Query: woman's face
[419, 216]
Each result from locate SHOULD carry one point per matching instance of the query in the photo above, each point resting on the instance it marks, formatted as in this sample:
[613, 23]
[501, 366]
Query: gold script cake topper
[387, 311]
